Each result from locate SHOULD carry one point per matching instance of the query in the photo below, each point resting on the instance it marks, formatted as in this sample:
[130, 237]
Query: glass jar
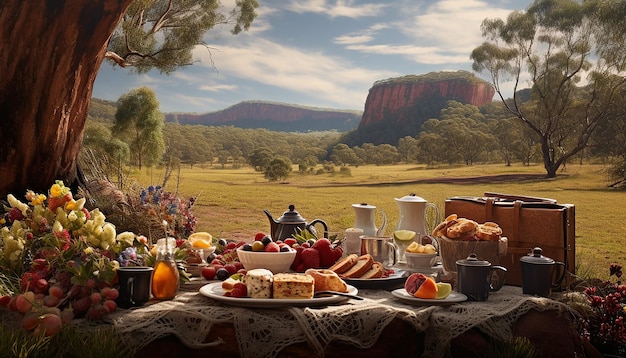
[165, 278]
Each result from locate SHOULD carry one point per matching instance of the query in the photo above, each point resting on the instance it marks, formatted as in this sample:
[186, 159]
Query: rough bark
[50, 54]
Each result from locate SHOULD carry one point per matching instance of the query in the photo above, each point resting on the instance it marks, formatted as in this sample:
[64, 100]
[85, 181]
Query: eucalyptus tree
[51, 53]
[139, 123]
[573, 56]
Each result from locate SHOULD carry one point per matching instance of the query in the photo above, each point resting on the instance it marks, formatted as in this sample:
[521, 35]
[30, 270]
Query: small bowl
[415, 260]
[273, 261]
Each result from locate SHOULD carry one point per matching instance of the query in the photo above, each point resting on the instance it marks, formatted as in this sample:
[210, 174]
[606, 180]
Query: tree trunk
[50, 54]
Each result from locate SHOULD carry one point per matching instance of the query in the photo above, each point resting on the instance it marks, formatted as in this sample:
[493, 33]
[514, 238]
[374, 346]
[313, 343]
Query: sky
[318, 53]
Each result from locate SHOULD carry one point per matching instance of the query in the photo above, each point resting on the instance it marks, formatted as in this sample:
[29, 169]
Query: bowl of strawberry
[266, 253]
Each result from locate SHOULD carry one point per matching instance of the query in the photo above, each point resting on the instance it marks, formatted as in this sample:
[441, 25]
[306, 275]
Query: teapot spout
[273, 223]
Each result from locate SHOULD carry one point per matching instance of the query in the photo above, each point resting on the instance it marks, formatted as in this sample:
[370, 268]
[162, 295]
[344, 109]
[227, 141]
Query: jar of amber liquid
[165, 278]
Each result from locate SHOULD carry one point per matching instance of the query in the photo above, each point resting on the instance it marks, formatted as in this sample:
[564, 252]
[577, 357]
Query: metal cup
[382, 249]
[135, 283]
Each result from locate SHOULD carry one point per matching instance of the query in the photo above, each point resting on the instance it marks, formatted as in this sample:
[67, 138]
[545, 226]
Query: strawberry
[272, 247]
[290, 241]
[239, 290]
[311, 257]
[327, 257]
[259, 236]
[15, 214]
[298, 259]
[337, 253]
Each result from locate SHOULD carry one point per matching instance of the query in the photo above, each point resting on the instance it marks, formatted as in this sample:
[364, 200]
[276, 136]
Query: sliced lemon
[404, 235]
[201, 240]
[443, 290]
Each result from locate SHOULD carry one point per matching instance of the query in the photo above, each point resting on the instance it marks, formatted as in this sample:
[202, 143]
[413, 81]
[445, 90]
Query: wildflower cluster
[181, 221]
[64, 256]
[606, 328]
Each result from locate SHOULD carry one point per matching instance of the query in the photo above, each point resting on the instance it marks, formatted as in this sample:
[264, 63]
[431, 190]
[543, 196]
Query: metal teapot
[289, 222]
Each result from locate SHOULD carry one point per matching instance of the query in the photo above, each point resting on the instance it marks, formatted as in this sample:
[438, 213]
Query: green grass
[231, 201]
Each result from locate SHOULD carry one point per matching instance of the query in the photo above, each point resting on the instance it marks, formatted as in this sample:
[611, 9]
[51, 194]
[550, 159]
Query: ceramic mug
[135, 284]
[382, 249]
[475, 278]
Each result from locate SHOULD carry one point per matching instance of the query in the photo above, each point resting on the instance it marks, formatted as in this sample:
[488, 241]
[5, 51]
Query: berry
[285, 248]
[298, 259]
[258, 246]
[290, 241]
[222, 274]
[247, 247]
[311, 257]
[337, 252]
[231, 245]
[239, 290]
[266, 240]
[272, 247]
[208, 272]
[259, 236]
[327, 257]
[15, 214]
[231, 268]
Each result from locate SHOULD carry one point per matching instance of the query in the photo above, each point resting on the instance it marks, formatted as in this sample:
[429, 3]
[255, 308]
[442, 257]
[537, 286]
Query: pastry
[327, 280]
[461, 228]
[489, 231]
[293, 286]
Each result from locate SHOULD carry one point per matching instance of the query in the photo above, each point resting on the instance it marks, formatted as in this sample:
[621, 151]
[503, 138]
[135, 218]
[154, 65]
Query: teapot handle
[561, 267]
[319, 221]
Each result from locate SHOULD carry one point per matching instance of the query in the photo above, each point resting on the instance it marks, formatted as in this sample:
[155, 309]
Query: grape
[222, 274]
[30, 321]
[109, 306]
[50, 324]
[56, 291]
[111, 293]
[67, 315]
[51, 301]
[96, 297]
[24, 301]
[81, 305]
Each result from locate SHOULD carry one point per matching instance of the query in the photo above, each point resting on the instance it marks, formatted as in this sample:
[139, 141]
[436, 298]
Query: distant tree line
[461, 134]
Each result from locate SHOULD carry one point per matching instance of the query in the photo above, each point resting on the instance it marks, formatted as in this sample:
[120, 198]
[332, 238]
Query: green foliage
[70, 342]
[575, 59]
[260, 158]
[162, 34]
[139, 123]
[278, 169]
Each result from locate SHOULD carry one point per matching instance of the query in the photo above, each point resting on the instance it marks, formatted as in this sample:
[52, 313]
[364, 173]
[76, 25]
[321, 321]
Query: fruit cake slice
[293, 286]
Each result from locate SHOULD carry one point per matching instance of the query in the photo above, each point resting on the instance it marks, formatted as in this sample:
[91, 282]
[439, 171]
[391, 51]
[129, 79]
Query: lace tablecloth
[264, 332]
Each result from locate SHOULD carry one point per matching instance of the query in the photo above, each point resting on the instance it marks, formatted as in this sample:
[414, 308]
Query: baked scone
[259, 283]
[440, 230]
[489, 231]
[327, 280]
[461, 228]
[344, 264]
[293, 286]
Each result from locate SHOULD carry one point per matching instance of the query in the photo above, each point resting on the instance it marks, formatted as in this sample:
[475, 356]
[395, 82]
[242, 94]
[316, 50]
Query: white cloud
[339, 8]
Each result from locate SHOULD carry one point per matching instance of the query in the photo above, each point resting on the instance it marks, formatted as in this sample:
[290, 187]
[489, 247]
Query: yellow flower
[88, 250]
[55, 190]
[38, 200]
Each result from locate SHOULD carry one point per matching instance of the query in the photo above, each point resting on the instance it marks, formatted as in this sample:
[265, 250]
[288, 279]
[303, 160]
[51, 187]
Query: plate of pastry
[216, 292]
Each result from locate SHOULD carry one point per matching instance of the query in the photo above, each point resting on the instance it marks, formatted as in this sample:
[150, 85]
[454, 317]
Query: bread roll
[461, 228]
[327, 280]
[489, 231]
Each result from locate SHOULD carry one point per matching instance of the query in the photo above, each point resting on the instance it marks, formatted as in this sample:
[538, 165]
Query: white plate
[454, 297]
[215, 291]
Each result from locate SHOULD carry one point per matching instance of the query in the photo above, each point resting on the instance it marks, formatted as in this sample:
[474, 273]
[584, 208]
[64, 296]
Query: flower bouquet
[58, 260]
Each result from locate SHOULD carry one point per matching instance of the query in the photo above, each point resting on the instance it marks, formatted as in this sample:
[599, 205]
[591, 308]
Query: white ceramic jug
[413, 214]
[365, 219]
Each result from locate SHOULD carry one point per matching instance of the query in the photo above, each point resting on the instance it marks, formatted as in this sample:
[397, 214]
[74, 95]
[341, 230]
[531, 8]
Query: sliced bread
[362, 265]
[376, 271]
[344, 264]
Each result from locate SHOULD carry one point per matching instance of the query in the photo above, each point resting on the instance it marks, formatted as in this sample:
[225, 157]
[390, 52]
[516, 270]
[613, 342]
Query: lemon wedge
[201, 240]
[404, 235]
[443, 290]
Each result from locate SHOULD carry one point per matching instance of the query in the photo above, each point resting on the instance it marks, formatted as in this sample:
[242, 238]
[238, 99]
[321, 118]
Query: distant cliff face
[273, 116]
[400, 99]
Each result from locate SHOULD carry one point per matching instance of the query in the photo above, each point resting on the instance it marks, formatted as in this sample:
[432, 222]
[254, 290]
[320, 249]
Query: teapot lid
[472, 260]
[412, 198]
[291, 216]
[364, 206]
[536, 257]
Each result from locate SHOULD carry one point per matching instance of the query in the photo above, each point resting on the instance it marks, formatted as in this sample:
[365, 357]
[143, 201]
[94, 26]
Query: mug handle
[561, 276]
[394, 250]
[130, 286]
[500, 273]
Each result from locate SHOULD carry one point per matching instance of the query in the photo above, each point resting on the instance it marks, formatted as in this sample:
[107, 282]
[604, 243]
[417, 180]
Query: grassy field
[231, 201]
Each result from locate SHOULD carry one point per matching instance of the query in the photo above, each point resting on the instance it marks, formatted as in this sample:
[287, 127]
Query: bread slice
[344, 264]
[376, 271]
[362, 265]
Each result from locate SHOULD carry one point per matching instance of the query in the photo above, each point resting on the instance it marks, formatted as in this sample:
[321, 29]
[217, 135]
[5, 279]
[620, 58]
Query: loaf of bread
[293, 286]
[327, 280]
[362, 265]
[376, 271]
